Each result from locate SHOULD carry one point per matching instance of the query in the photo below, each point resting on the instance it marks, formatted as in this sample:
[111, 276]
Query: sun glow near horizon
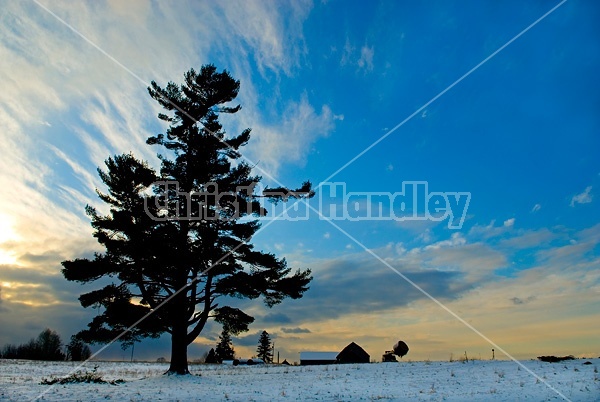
[7, 234]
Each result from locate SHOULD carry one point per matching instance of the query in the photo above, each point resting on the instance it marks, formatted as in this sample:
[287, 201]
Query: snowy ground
[422, 381]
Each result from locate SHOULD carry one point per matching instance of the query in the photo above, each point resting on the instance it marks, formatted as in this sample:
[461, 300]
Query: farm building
[353, 354]
[317, 358]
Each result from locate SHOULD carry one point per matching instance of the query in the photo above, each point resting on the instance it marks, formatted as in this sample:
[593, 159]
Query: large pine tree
[177, 240]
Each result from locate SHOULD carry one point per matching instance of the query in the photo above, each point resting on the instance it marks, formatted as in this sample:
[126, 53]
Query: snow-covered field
[422, 381]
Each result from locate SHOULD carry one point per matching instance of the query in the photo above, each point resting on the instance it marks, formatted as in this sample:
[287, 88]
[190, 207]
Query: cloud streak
[582, 198]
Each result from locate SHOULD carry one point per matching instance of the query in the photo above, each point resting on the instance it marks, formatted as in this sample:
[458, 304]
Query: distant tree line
[225, 350]
[47, 346]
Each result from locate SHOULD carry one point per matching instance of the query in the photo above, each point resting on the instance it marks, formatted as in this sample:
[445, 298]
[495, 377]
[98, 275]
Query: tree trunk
[179, 364]
[178, 312]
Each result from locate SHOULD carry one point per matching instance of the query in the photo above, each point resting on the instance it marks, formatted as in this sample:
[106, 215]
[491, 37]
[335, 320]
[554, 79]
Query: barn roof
[318, 355]
[353, 354]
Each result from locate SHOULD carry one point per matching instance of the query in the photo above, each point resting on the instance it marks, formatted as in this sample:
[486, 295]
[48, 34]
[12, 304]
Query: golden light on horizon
[7, 234]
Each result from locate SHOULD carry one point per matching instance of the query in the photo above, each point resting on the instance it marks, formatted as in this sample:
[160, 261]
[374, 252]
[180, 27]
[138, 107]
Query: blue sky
[321, 82]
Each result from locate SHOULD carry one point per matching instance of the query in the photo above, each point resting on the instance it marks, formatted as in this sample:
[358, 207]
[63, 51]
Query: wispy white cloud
[347, 52]
[456, 239]
[491, 230]
[365, 62]
[296, 330]
[536, 208]
[529, 238]
[289, 139]
[88, 180]
[582, 198]
[272, 34]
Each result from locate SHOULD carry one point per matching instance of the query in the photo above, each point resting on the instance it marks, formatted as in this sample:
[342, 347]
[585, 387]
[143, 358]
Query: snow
[421, 381]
